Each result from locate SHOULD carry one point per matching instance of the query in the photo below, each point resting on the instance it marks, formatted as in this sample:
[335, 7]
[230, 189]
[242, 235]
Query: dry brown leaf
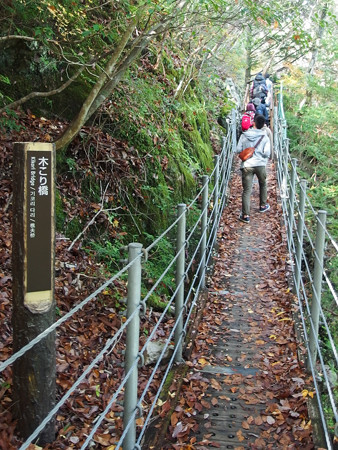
[240, 436]
[258, 420]
[245, 425]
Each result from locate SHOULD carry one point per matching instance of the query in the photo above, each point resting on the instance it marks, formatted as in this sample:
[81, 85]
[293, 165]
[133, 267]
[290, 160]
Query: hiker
[248, 117]
[261, 108]
[256, 165]
[269, 87]
[250, 107]
[259, 88]
[268, 132]
[268, 82]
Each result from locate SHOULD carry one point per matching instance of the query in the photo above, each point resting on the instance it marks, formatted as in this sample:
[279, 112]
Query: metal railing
[194, 248]
[308, 241]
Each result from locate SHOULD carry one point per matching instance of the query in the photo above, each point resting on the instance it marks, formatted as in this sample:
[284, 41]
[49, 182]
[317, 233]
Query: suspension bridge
[242, 362]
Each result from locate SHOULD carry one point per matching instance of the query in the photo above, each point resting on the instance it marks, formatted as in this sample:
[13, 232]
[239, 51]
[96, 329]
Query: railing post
[180, 273]
[317, 287]
[284, 129]
[132, 343]
[215, 199]
[292, 199]
[300, 234]
[223, 143]
[233, 130]
[204, 221]
[284, 162]
[222, 173]
[275, 132]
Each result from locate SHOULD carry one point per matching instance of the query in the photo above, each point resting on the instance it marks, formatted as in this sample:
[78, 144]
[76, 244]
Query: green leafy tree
[97, 42]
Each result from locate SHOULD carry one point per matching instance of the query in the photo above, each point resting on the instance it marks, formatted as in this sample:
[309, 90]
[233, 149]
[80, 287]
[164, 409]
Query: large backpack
[260, 91]
[246, 122]
[259, 110]
[251, 114]
[260, 88]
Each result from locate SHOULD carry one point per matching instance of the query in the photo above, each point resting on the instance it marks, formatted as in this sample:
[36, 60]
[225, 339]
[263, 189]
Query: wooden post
[33, 285]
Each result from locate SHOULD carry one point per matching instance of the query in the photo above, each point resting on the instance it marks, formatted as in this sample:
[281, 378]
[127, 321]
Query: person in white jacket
[269, 85]
[256, 165]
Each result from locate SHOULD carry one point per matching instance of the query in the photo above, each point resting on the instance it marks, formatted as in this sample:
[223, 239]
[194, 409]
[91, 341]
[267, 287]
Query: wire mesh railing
[311, 248]
[125, 412]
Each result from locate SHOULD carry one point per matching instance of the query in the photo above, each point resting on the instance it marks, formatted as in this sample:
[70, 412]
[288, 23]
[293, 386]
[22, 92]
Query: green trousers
[247, 179]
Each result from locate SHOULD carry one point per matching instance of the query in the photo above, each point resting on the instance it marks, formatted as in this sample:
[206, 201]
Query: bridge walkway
[246, 386]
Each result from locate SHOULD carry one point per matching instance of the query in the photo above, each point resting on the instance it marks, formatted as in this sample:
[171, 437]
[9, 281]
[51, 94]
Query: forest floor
[246, 386]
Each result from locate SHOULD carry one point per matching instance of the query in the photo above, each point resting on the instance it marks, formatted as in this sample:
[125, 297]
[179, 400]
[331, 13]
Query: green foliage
[158, 262]
[173, 138]
[107, 252]
[72, 227]
[312, 131]
[313, 140]
[60, 215]
[4, 79]
[90, 187]
[228, 105]
[8, 121]
[156, 302]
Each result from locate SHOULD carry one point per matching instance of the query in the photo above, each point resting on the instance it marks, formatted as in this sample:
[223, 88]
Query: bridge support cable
[311, 279]
[194, 249]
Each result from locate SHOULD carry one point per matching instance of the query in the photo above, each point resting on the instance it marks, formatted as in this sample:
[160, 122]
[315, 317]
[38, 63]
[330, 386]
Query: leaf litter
[280, 385]
[251, 269]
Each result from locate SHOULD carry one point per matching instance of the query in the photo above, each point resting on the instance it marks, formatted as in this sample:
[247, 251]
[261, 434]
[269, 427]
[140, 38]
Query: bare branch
[93, 218]
[24, 99]
[25, 38]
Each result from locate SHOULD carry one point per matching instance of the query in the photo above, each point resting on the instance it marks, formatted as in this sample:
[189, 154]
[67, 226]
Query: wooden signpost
[33, 285]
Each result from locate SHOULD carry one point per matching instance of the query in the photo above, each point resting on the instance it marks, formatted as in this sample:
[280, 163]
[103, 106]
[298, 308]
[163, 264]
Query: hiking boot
[264, 208]
[245, 219]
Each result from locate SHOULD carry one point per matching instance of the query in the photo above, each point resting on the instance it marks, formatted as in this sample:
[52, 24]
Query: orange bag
[249, 151]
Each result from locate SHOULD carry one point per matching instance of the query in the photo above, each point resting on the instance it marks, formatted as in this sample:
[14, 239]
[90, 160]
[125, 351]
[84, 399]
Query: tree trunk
[320, 31]
[104, 88]
[248, 55]
[76, 124]
[319, 36]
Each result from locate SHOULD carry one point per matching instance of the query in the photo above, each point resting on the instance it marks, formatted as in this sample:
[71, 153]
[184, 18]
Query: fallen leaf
[245, 425]
[240, 436]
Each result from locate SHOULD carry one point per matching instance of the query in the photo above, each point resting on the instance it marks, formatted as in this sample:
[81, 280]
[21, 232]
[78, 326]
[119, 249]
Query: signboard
[39, 226]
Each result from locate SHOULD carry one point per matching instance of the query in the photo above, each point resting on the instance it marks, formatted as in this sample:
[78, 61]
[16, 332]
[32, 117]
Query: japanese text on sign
[38, 186]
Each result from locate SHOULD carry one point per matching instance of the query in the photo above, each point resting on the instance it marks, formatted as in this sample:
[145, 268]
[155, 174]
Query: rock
[154, 350]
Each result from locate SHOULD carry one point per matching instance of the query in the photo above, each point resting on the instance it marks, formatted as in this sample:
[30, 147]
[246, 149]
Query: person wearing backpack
[248, 117]
[261, 108]
[256, 165]
[251, 110]
[259, 88]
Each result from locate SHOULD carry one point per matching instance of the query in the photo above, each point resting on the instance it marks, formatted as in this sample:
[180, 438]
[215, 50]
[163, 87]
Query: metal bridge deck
[242, 359]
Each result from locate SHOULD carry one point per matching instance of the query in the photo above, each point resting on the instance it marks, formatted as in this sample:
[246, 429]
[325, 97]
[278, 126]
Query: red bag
[249, 151]
[246, 122]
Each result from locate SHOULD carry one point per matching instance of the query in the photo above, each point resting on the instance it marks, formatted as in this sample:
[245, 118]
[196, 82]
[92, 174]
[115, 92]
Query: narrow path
[246, 387]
